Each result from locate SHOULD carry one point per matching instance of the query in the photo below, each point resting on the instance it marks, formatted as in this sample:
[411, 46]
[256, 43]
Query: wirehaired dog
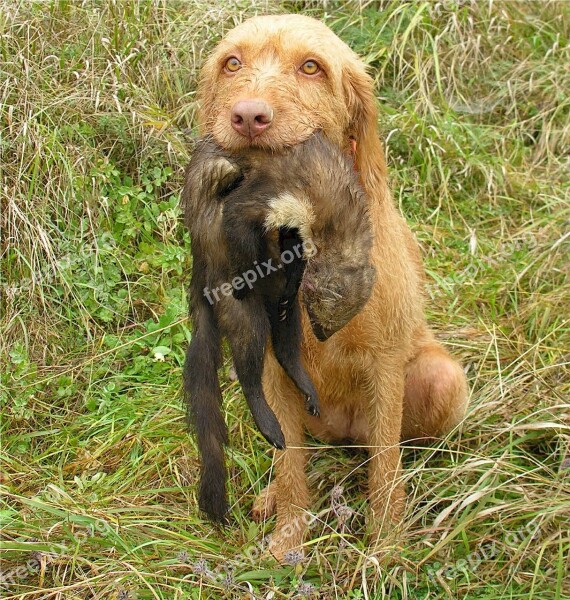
[256, 220]
[269, 84]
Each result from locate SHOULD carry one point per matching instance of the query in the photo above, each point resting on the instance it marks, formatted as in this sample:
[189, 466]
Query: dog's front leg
[291, 489]
[384, 410]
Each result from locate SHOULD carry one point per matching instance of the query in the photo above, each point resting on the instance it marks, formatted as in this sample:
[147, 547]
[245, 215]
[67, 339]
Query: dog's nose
[251, 117]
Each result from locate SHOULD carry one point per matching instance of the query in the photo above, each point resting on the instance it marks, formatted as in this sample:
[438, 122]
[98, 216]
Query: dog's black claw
[283, 315]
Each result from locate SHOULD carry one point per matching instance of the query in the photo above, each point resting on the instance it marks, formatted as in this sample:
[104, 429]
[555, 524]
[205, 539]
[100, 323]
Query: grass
[97, 107]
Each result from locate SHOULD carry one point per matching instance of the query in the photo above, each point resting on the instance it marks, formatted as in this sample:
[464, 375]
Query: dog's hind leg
[436, 393]
[265, 504]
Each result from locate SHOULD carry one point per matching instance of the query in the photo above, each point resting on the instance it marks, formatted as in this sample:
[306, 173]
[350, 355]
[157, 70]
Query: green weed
[97, 112]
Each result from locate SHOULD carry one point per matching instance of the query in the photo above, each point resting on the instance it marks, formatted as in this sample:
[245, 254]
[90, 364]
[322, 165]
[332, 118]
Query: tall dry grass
[97, 106]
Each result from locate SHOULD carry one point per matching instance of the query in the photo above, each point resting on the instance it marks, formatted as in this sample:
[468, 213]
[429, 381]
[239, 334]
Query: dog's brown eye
[232, 64]
[310, 67]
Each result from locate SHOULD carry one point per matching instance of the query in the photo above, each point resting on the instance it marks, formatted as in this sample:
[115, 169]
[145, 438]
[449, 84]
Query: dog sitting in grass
[261, 225]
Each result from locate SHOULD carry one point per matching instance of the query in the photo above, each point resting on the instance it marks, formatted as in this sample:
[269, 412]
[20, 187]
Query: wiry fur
[383, 377]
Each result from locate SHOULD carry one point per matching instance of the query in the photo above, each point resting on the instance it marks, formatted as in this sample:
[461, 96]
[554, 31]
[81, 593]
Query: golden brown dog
[271, 82]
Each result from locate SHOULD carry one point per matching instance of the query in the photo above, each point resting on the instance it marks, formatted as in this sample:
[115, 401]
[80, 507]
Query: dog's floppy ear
[361, 103]
[206, 91]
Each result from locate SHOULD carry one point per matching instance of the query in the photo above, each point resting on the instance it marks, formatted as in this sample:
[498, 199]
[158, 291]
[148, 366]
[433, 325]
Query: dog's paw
[265, 504]
[285, 547]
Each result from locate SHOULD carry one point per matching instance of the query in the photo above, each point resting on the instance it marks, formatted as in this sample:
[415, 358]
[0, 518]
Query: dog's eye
[310, 67]
[232, 65]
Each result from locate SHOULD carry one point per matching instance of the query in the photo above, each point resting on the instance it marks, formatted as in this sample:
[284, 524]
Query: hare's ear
[361, 103]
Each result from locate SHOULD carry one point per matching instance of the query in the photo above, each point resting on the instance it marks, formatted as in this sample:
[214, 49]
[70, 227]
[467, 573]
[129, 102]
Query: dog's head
[274, 80]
